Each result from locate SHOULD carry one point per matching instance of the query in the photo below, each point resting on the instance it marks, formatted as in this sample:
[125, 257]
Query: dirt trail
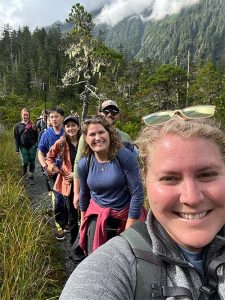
[41, 202]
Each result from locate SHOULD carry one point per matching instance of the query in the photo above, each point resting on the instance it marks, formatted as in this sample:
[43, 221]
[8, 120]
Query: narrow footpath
[41, 202]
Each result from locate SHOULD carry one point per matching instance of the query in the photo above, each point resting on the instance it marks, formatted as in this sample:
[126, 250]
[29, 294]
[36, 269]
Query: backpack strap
[88, 163]
[151, 270]
[208, 290]
[47, 138]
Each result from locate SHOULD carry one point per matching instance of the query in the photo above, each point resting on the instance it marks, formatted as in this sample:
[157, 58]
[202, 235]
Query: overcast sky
[39, 13]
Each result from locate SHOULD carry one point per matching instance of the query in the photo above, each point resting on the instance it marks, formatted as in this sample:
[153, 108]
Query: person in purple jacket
[111, 190]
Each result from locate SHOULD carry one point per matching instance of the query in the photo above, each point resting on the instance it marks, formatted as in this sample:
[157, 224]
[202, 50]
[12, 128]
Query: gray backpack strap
[210, 289]
[151, 270]
[149, 266]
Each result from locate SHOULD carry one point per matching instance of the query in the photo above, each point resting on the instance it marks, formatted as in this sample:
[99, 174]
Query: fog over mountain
[44, 12]
[114, 11]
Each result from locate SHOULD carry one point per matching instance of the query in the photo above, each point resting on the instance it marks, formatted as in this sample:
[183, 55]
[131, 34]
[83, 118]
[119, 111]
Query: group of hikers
[177, 249]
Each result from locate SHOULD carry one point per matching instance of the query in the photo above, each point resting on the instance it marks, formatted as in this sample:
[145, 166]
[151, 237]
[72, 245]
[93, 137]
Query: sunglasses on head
[188, 113]
[111, 111]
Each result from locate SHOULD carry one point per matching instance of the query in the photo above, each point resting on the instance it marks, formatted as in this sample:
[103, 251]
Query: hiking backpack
[151, 270]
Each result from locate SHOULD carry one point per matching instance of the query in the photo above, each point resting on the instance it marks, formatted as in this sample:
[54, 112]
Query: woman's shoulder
[82, 162]
[125, 154]
[19, 124]
[114, 260]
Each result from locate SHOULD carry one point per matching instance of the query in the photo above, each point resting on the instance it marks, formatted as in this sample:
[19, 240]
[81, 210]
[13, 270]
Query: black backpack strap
[208, 290]
[151, 270]
[88, 163]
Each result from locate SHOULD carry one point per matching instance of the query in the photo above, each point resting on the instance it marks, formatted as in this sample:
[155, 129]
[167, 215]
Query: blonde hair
[207, 128]
[115, 143]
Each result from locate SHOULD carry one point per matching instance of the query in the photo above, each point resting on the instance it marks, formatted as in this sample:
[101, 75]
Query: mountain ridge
[198, 29]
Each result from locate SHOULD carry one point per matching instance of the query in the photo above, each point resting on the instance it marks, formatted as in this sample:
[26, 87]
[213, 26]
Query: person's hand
[76, 201]
[130, 222]
[50, 170]
[82, 215]
[69, 177]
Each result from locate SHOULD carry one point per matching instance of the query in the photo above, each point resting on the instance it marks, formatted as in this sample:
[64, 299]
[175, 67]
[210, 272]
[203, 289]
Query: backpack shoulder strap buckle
[207, 290]
[162, 292]
[157, 291]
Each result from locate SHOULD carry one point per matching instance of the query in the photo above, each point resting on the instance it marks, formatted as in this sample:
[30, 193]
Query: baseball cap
[71, 118]
[109, 103]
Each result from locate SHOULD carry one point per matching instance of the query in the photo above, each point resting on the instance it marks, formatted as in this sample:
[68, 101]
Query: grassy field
[30, 267]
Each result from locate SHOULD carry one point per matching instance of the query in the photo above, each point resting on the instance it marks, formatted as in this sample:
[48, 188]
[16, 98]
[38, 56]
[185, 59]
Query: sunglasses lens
[105, 111]
[157, 118]
[195, 112]
[201, 111]
[113, 112]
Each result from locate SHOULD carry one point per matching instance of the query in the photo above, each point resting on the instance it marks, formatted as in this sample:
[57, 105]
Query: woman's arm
[84, 188]
[76, 181]
[76, 192]
[130, 222]
[131, 169]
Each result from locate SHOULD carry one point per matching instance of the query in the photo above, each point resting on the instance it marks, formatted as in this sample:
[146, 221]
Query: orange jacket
[61, 184]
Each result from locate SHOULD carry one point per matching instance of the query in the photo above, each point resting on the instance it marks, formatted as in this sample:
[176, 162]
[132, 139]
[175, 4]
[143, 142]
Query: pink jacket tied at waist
[103, 213]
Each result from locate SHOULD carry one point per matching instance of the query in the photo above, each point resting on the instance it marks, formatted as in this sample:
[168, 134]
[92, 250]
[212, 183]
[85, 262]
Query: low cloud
[115, 11]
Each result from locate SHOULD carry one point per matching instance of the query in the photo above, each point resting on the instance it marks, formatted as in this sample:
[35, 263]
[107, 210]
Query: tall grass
[29, 264]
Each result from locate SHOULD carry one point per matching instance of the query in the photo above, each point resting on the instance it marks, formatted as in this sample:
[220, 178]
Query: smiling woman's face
[98, 138]
[25, 116]
[185, 184]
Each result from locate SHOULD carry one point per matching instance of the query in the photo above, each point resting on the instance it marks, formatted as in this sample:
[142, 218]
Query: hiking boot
[60, 235]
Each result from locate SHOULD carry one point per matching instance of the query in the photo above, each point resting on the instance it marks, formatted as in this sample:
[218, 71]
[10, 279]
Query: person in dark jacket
[42, 123]
[184, 172]
[25, 135]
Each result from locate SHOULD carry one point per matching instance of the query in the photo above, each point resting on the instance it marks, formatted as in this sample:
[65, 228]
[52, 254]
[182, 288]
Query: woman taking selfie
[179, 253]
[111, 191]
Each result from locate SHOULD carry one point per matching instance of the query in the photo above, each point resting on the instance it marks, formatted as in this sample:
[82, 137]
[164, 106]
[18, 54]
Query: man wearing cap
[110, 110]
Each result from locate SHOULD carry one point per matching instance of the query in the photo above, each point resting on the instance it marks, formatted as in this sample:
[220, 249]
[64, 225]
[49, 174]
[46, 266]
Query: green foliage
[132, 128]
[81, 20]
[29, 265]
[197, 28]
[206, 86]
[89, 57]
[34, 67]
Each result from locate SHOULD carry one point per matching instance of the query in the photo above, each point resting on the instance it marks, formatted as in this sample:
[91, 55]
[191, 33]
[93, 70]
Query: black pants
[66, 214]
[72, 218]
[111, 230]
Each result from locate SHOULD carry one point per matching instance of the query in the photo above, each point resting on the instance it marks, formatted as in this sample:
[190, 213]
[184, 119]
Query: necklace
[103, 166]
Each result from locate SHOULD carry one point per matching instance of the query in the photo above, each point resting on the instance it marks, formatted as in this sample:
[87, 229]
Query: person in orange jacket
[60, 160]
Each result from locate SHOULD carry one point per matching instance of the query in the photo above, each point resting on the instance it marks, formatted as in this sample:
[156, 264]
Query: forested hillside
[77, 71]
[199, 29]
